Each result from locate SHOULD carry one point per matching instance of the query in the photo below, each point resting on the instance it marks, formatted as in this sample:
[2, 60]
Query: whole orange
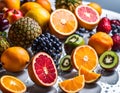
[45, 4]
[15, 4]
[101, 42]
[96, 6]
[15, 59]
[28, 6]
[41, 15]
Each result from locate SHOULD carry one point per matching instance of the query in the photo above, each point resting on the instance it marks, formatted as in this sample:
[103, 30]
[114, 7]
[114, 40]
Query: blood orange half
[42, 70]
[87, 16]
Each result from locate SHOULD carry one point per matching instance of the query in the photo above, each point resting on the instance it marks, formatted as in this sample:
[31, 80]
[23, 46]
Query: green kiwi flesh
[65, 63]
[109, 60]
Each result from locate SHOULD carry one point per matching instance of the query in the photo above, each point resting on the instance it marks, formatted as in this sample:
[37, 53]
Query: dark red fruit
[104, 25]
[116, 42]
[4, 23]
[115, 21]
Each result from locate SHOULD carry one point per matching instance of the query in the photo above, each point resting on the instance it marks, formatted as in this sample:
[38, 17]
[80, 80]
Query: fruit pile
[47, 42]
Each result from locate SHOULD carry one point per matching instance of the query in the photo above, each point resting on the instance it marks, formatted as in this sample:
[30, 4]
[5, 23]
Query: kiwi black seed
[65, 63]
[109, 60]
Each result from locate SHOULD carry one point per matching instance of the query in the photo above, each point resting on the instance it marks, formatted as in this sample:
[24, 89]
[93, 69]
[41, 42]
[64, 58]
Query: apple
[12, 14]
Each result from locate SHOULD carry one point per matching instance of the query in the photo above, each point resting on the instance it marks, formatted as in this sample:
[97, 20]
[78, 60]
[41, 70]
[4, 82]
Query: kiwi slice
[65, 63]
[109, 60]
[74, 40]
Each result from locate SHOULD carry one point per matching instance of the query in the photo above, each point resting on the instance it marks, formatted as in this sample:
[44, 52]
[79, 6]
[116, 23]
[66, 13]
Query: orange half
[90, 76]
[11, 84]
[86, 56]
[73, 85]
[63, 23]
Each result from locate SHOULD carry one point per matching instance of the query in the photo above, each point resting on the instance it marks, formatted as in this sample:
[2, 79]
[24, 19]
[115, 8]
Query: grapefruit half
[87, 16]
[42, 70]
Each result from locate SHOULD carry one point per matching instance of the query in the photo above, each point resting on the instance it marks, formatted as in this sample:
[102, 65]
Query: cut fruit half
[63, 23]
[73, 85]
[42, 70]
[87, 16]
[86, 56]
[11, 84]
[90, 76]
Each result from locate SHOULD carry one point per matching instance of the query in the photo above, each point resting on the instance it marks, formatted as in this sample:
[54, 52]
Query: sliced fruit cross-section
[90, 76]
[42, 70]
[63, 23]
[86, 56]
[87, 16]
[11, 84]
[73, 85]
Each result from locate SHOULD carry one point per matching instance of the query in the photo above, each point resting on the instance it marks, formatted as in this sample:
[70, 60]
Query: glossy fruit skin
[15, 59]
[4, 23]
[12, 15]
[12, 4]
[104, 25]
[116, 42]
[45, 4]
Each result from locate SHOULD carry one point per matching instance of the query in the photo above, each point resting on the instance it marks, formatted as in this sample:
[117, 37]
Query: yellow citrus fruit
[28, 6]
[86, 56]
[15, 59]
[101, 42]
[63, 23]
[12, 4]
[87, 16]
[45, 4]
[96, 6]
[11, 84]
[41, 15]
[90, 76]
[73, 85]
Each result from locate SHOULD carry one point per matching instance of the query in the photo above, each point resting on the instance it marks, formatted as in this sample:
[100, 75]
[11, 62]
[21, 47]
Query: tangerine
[15, 59]
[101, 42]
[11, 84]
[86, 56]
[90, 76]
[62, 23]
[73, 85]
[28, 6]
[87, 16]
[45, 4]
[96, 6]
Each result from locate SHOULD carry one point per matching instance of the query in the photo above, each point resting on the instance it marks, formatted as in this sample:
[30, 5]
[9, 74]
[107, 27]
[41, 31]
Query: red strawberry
[104, 25]
[116, 42]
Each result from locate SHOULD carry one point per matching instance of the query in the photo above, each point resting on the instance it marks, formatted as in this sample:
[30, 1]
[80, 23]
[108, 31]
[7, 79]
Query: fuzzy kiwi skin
[112, 68]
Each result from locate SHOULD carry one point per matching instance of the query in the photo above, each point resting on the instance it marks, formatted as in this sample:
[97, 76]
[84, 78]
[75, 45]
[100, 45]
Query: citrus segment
[87, 16]
[42, 70]
[63, 23]
[11, 84]
[86, 56]
[72, 85]
[90, 76]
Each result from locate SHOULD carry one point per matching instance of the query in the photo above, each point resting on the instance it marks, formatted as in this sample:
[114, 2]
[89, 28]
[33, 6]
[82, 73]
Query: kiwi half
[65, 63]
[74, 40]
[109, 60]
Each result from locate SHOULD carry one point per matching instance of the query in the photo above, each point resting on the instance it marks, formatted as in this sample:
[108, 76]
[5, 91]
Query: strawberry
[104, 25]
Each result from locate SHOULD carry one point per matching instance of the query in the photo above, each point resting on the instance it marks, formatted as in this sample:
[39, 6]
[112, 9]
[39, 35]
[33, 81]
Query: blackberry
[115, 29]
[84, 32]
[48, 43]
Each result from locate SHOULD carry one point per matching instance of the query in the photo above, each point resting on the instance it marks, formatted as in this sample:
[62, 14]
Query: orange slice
[86, 56]
[11, 84]
[90, 76]
[73, 85]
[87, 16]
[63, 23]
